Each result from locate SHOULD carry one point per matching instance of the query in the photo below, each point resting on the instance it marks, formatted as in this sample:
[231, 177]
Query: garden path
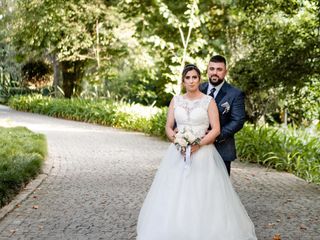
[97, 177]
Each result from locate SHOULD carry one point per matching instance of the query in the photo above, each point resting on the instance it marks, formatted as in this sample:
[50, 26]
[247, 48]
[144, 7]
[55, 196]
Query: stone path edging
[28, 189]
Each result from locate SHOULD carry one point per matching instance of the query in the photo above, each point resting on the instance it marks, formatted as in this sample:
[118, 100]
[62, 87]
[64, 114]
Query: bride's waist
[198, 131]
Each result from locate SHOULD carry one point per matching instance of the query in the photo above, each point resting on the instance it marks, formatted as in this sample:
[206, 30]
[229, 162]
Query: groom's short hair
[218, 59]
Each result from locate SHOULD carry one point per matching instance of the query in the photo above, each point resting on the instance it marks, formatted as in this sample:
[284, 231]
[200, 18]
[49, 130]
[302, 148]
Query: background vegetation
[112, 55]
[21, 156]
[136, 117]
[133, 50]
[285, 149]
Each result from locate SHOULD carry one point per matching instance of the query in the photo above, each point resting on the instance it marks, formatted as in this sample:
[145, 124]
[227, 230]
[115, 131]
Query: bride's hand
[195, 148]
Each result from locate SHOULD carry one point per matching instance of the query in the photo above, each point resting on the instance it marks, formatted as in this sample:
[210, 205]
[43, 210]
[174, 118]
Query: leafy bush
[134, 117]
[284, 149]
[158, 122]
[21, 156]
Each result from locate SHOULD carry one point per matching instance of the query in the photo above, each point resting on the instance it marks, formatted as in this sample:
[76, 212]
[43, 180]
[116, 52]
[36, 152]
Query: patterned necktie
[212, 92]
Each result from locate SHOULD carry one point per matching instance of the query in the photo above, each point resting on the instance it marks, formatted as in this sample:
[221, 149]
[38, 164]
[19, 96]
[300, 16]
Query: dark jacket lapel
[223, 91]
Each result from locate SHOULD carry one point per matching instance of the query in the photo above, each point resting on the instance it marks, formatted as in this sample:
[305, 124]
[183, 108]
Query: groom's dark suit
[230, 102]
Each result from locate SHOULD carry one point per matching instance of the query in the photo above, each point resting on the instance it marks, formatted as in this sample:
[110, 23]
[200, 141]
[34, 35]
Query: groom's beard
[215, 82]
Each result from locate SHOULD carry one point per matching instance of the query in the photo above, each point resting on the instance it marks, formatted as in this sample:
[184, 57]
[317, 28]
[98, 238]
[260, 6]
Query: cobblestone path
[101, 175]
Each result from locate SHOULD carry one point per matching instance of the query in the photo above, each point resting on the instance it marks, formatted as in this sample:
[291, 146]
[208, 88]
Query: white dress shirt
[210, 86]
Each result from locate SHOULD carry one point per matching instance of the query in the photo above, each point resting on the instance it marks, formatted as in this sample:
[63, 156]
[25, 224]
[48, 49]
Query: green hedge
[21, 156]
[150, 120]
[287, 150]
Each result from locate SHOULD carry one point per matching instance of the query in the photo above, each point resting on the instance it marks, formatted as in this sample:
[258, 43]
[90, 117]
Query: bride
[191, 197]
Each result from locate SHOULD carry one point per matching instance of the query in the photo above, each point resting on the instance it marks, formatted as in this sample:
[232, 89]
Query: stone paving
[101, 175]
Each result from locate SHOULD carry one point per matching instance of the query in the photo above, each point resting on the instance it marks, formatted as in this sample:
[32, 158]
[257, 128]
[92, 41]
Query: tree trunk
[56, 74]
[72, 73]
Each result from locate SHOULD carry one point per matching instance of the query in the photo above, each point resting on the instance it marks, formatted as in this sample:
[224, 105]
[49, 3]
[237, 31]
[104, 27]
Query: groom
[230, 102]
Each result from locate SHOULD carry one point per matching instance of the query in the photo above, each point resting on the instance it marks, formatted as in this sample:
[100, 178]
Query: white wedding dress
[195, 202]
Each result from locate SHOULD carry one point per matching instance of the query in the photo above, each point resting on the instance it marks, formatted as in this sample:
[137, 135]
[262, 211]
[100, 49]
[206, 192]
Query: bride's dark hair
[188, 68]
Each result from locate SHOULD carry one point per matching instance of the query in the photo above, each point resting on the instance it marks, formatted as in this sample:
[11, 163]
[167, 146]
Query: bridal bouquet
[184, 139]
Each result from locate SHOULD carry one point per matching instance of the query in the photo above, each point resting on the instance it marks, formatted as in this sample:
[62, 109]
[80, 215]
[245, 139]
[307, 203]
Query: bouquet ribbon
[188, 156]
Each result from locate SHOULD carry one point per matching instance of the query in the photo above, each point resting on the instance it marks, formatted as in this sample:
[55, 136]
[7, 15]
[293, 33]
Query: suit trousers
[228, 166]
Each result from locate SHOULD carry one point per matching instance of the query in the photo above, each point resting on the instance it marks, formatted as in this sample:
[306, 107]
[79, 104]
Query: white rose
[190, 136]
[181, 141]
[179, 135]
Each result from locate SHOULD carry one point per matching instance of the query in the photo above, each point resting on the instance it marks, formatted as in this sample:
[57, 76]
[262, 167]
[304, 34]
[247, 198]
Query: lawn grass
[22, 154]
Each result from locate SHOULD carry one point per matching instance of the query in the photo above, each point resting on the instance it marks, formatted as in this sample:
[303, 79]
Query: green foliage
[21, 156]
[36, 73]
[133, 50]
[292, 150]
[136, 86]
[9, 68]
[283, 149]
[178, 33]
[277, 52]
[303, 104]
[158, 122]
[134, 117]
[65, 28]
[85, 37]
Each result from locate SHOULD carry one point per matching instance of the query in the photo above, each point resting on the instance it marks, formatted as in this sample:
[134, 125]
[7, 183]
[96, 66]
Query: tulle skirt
[194, 202]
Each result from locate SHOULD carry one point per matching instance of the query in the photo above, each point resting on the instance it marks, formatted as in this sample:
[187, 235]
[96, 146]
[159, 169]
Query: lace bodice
[192, 114]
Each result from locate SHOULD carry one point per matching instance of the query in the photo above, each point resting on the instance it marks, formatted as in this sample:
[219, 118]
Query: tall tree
[179, 33]
[9, 68]
[277, 51]
[72, 33]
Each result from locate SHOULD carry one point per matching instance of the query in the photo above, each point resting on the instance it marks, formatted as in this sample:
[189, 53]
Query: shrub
[21, 156]
[284, 149]
[134, 117]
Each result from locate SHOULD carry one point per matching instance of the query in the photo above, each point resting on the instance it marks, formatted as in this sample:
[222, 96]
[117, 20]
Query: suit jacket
[230, 102]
